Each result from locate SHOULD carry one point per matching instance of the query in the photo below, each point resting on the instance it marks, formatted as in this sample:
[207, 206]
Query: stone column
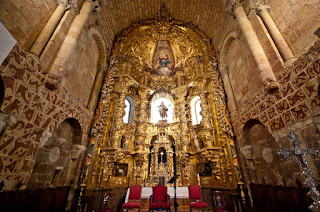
[265, 70]
[224, 71]
[96, 89]
[276, 35]
[70, 43]
[49, 28]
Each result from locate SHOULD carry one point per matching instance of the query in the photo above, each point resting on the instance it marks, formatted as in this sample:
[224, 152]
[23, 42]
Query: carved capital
[262, 7]
[65, 3]
[231, 5]
[96, 4]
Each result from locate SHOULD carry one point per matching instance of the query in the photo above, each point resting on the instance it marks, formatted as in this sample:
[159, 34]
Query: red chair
[134, 198]
[195, 198]
[159, 200]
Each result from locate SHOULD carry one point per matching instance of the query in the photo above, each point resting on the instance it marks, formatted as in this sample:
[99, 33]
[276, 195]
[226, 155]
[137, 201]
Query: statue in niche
[162, 62]
[125, 141]
[163, 110]
[197, 142]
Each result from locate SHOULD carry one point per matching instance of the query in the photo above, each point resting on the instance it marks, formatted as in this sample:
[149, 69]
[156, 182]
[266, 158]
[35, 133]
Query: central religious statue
[163, 111]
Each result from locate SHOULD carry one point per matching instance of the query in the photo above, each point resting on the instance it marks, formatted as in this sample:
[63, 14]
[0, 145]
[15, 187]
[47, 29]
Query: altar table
[182, 193]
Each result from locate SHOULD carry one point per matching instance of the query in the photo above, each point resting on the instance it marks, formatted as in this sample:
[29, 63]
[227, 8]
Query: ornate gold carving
[129, 74]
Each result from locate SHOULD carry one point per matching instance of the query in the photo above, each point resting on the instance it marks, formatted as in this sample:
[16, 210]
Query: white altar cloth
[182, 193]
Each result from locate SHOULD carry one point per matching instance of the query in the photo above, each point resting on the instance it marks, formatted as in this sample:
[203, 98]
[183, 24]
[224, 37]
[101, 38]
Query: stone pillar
[49, 28]
[70, 43]
[276, 35]
[224, 71]
[265, 70]
[96, 89]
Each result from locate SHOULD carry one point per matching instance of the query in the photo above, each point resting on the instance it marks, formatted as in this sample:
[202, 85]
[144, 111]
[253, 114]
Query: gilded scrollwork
[193, 72]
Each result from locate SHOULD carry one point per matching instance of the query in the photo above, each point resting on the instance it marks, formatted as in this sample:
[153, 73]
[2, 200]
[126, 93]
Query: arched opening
[57, 159]
[319, 94]
[195, 110]
[259, 150]
[162, 103]
[129, 110]
[1, 91]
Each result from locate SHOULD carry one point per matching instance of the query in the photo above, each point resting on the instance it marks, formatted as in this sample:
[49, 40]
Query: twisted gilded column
[96, 88]
[141, 122]
[263, 65]
[70, 43]
[184, 140]
[50, 27]
[224, 71]
[118, 121]
[206, 120]
[276, 35]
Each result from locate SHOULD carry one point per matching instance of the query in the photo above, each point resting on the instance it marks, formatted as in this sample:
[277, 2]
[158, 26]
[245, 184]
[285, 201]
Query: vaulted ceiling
[208, 15]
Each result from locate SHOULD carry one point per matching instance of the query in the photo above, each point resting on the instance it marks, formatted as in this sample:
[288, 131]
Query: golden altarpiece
[164, 59]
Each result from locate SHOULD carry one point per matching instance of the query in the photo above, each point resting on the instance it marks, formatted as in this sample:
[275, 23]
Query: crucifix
[161, 157]
[300, 155]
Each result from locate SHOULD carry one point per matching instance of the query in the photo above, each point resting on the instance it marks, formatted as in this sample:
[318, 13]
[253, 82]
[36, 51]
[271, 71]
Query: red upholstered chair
[195, 198]
[159, 200]
[134, 198]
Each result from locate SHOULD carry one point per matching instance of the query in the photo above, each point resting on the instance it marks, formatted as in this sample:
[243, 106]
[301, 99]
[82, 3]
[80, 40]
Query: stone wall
[82, 68]
[295, 107]
[26, 18]
[37, 110]
[297, 21]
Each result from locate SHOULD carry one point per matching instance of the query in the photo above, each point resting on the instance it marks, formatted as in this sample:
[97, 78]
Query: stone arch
[259, 153]
[1, 91]
[319, 94]
[231, 36]
[58, 156]
[97, 35]
[5, 118]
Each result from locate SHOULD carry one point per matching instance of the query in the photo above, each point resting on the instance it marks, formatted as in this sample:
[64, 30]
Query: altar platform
[182, 197]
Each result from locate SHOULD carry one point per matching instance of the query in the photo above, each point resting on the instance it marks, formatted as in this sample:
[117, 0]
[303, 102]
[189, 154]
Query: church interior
[97, 96]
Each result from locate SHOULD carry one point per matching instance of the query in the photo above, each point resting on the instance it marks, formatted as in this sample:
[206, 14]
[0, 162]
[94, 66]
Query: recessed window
[195, 110]
[127, 111]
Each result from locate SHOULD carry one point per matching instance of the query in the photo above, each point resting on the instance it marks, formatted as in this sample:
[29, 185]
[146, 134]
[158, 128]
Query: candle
[198, 179]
